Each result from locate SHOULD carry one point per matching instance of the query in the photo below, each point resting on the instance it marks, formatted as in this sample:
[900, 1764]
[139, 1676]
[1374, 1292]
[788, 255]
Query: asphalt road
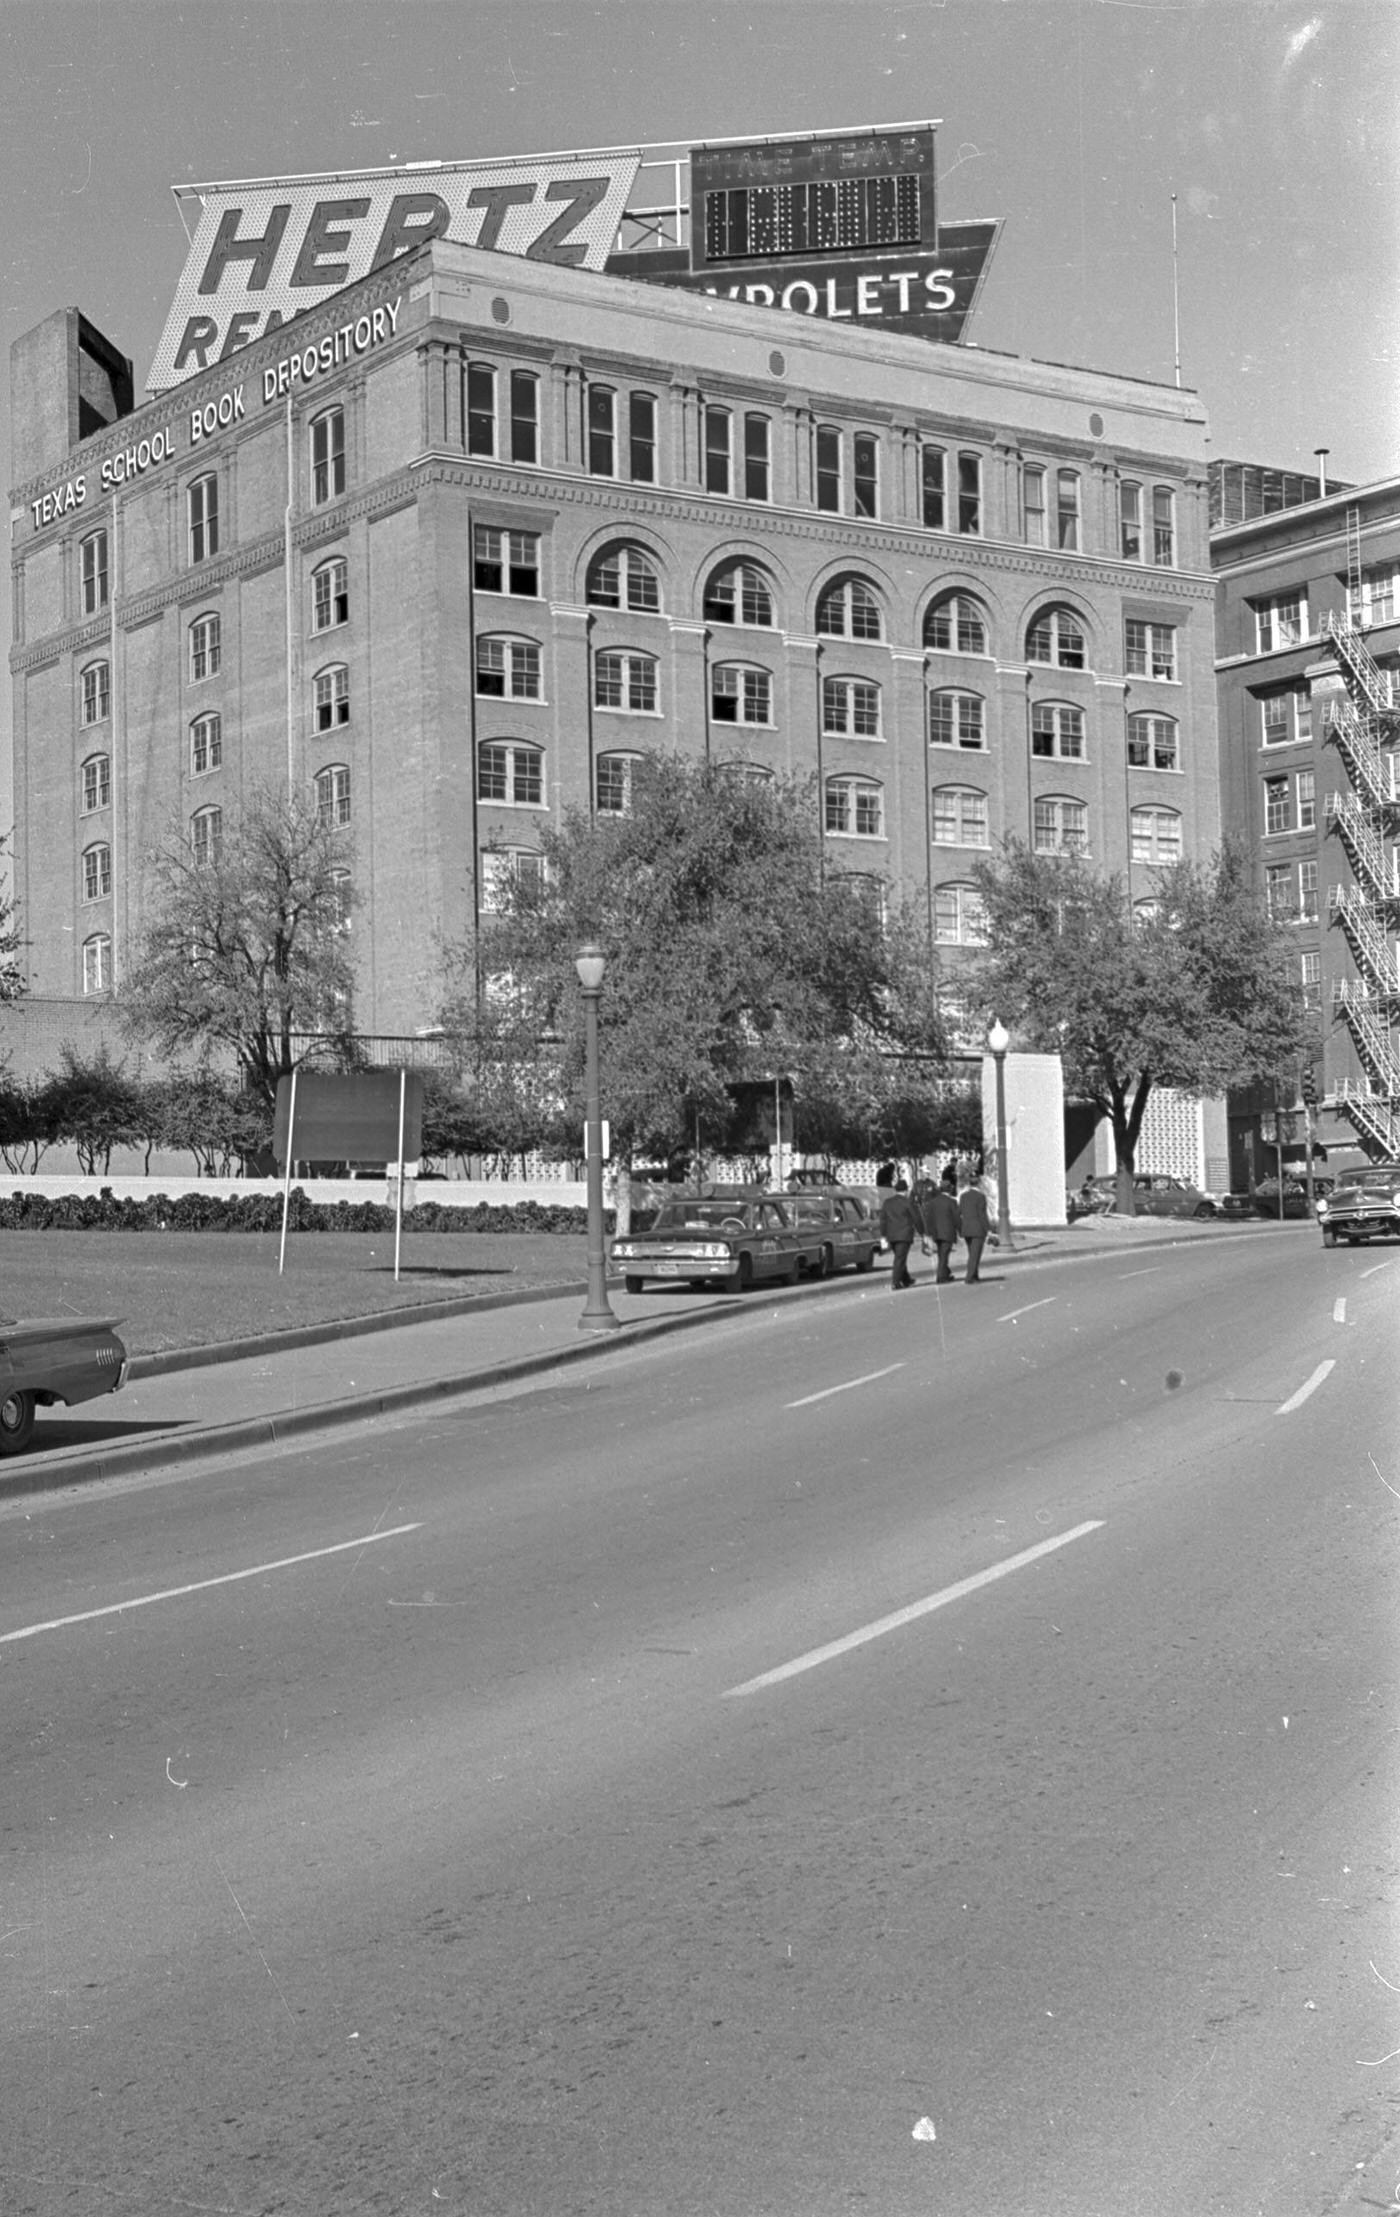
[930, 1754]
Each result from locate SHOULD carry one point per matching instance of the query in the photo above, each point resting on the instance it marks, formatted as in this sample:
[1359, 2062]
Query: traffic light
[1309, 1086]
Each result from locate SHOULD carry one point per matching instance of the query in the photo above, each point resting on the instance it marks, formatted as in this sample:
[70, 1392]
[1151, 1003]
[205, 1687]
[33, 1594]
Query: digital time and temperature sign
[863, 194]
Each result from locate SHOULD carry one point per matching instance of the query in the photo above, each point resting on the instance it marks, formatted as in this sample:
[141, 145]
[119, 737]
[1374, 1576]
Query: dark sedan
[728, 1241]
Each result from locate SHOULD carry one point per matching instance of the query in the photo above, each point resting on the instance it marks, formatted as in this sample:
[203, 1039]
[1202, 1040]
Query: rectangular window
[1067, 510]
[524, 416]
[204, 518]
[512, 774]
[1307, 801]
[625, 681]
[864, 474]
[933, 487]
[93, 570]
[1130, 522]
[740, 696]
[97, 693]
[97, 964]
[97, 783]
[959, 818]
[1310, 972]
[641, 438]
[828, 470]
[97, 873]
[1163, 526]
[481, 408]
[718, 461]
[332, 788]
[1278, 812]
[206, 644]
[756, 458]
[207, 833]
[1280, 622]
[1276, 714]
[331, 698]
[1307, 892]
[508, 669]
[955, 720]
[1278, 892]
[327, 457]
[330, 596]
[1378, 597]
[506, 561]
[1033, 504]
[206, 745]
[602, 439]
[1150, 649]
[970, 494]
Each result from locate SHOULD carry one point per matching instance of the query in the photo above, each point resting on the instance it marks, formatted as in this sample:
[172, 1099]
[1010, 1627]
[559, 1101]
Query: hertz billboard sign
[840, 225]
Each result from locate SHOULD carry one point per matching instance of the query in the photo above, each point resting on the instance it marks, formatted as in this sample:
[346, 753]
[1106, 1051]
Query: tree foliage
[92, 1104]
[733, 953]
[12, 941]
[247, 951]
[1192, 994]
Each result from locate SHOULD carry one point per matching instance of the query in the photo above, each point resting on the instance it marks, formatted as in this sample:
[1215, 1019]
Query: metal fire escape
[1364, 728]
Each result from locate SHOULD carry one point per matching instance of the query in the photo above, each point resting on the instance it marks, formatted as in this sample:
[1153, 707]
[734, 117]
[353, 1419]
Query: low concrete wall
[448, 1193]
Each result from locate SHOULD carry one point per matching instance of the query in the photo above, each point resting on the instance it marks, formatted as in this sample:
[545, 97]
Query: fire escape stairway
[1363, 673]
[1371, 770]
[1369, 1029]
[1375, 956]
[1372, 1118]
[1365, 846]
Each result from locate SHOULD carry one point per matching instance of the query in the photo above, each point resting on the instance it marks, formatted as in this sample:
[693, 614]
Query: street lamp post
[597, 1314]
[998, 1040]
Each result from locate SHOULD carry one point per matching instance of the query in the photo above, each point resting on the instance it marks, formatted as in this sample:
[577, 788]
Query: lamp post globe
[597, 1313]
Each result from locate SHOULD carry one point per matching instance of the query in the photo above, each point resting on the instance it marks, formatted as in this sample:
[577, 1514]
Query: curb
[201, 1443]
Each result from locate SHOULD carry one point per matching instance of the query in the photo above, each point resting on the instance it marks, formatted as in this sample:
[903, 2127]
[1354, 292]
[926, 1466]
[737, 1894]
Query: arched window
[332, 789]
[1060, 825]
[957, 624]
[612, 783]
[96, 784]
[1056, 636]
[97, 963]
[850, 707]
[747, 773]
[207, 836]
[855, 807]
[739, 593]
[506, 668]
[849, 609]
[511, 771]
[1153, 742]
[739, 695]
[97, 872]
[206, 745]
[206, 647]
[624, 577]
[331, 697]
[1057, 731]
[330, 594]
[622, 679]
[959, 817]
[96, 687]
[1155, 835]
[506, 874]
[959, 916]
[865, 890]
[956, 720]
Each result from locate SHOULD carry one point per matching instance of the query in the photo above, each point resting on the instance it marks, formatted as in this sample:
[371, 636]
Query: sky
[1276, 125]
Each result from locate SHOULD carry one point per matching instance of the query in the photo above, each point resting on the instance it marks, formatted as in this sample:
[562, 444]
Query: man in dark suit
[941, 1224]
[900, 1225]
[974, 1224]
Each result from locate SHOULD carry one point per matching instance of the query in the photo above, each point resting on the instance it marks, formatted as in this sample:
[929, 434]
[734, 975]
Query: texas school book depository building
[451, 533]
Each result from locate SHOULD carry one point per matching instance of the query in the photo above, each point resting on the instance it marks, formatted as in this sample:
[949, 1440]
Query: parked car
[1295, 1195]
[49, 1359]
[1363, 1204]
[1156, 1194]
[850, 1235]
[1236, 1206]
[732, 1240]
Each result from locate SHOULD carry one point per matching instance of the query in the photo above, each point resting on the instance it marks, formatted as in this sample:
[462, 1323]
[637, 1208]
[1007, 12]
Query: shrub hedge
[262, 1212]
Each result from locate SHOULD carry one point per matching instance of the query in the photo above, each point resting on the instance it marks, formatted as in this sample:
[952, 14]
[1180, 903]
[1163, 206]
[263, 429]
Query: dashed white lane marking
[1140, 1273]
[201, 1585]
[909, 1615]
[1309, 1385]
[1012, 1314]
[827, 1391]
[1379, 1266]
[1339, 1309]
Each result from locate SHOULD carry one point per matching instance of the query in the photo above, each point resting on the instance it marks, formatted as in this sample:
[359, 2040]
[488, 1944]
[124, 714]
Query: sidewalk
[178, 1409]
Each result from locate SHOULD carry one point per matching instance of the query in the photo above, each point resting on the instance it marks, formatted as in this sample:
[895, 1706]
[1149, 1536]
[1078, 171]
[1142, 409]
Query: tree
[733, 954]
[92, 1103]
[245, 948]
[1191, 992]
[200, 1112]
[12, 979]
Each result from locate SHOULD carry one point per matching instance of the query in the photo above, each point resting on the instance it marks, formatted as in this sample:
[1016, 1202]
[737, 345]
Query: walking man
[941, 1228]
[901, 1225]
[973, 1223]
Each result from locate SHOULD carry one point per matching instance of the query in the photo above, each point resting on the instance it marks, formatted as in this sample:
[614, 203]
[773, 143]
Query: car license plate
[675, 1269]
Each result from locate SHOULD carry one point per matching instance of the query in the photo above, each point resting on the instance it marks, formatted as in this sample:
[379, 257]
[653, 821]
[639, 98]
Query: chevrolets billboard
[261, 253]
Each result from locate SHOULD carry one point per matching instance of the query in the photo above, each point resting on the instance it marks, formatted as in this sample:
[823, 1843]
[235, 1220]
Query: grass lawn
[195, 1289]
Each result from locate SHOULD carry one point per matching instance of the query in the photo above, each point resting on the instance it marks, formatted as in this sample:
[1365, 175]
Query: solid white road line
[827, 1391]
[1012, 1314]
[1339, 1309]
[916, 1609]
[1309, 1385]
[1379, 1266]
[201, 1585]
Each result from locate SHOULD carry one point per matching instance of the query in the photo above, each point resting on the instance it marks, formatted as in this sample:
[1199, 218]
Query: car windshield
[1375, 1181]
[704, 1216]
